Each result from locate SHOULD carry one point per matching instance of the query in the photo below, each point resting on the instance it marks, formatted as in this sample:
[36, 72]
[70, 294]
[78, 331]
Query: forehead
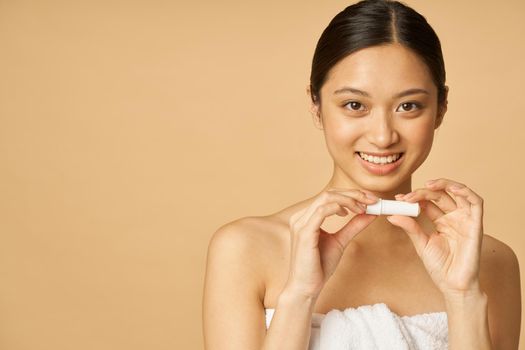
[384, 69]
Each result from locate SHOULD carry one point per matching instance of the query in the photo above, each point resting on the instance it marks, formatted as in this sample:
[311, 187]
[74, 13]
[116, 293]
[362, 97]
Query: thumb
[418, 237]
[353, 227]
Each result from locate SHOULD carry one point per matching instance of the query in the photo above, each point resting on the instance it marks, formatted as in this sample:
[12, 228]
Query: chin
[385, 184]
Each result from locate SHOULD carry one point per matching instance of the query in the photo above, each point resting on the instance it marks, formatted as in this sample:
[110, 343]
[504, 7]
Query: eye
[353, 105]
[410, 106]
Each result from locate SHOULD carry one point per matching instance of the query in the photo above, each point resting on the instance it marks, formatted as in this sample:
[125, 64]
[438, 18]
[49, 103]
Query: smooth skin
[300, 261]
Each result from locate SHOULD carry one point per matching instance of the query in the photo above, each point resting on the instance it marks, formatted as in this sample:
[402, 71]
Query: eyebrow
[366, 94]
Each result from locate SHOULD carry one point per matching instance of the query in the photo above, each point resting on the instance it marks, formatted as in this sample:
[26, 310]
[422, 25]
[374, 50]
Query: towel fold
[376, 327]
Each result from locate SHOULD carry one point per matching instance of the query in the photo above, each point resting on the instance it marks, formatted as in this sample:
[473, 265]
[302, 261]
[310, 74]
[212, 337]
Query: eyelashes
[415, 106]
[352, 103]
[405, 106]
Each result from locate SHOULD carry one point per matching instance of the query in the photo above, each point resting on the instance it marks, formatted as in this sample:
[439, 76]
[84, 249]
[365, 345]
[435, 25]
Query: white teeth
[380, 160]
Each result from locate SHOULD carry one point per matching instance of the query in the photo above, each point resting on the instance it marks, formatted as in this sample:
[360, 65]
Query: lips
[380, 169]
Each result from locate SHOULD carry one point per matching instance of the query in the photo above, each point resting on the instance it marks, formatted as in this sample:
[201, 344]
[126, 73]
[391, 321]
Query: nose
[381, 131]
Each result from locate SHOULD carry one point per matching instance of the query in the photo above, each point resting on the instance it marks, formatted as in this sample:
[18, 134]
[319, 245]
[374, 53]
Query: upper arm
[504, 295]
[233, 314]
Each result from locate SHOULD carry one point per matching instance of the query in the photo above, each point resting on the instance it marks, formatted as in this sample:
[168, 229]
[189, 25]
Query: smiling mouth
[393, 158]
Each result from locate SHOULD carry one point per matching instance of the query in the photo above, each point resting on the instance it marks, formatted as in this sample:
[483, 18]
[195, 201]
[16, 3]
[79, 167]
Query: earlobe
[314, 109]
[318, 121]
[316, 115]
[442, 109]
[439, 119]
[441, 114]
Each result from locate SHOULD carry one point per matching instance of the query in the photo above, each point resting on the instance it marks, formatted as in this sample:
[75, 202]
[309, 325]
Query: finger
[418, 237]
[442, 182]
[475, 201]
[295, 217]
[367, 193]
[441, 198]
[357, 224]
[354, 204]
[342, 212]
[349, 198]
[445, 185]
[431, 210]
[363, 196]
[308, 231]
[370, 195]
[442, 226]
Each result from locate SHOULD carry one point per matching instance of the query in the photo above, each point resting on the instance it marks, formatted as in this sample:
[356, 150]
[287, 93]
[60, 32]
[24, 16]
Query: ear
[314, 109]
[442, 109]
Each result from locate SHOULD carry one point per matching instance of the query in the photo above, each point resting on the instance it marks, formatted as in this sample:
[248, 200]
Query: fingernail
[455, 187]
[430, 182]
[371, 196]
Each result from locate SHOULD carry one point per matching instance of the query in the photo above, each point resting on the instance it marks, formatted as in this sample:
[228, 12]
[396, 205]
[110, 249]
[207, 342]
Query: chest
[403, 284]
[398, 280]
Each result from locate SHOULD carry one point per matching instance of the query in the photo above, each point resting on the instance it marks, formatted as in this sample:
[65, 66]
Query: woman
[282, 281]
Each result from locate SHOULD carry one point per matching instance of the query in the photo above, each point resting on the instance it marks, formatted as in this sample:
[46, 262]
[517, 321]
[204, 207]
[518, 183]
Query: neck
[341, 180]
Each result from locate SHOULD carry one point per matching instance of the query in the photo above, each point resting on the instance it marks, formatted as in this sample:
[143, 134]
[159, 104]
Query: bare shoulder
[496, 255]
[498, 261]
[236, 266]
[500, 280]
[251, 238]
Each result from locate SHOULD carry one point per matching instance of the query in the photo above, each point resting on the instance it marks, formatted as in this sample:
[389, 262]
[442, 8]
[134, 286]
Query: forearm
[291, 323]
[468, 326]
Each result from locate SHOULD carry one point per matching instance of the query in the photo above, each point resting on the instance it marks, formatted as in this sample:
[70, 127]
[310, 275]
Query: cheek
[420, 137]
[340, 137]
[420, 132]
[342, 132]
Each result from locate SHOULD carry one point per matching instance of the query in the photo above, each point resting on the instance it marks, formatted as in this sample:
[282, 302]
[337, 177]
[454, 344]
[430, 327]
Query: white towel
[376, 327]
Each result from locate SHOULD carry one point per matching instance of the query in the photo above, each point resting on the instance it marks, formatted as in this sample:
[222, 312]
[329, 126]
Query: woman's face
[379, 102]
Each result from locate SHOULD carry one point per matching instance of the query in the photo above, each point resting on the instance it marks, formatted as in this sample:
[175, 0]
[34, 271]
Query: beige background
[130, 131]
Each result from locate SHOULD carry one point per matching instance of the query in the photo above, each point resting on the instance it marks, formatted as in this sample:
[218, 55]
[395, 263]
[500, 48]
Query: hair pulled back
[376, 22]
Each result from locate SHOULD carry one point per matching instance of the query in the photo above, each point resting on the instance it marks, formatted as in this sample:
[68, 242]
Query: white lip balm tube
[389, 207]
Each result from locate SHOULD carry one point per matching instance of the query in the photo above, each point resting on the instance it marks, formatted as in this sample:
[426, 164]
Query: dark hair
[376, 22]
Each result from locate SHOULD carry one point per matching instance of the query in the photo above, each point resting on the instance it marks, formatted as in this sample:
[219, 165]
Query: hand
[316, 253]
[451, 253]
